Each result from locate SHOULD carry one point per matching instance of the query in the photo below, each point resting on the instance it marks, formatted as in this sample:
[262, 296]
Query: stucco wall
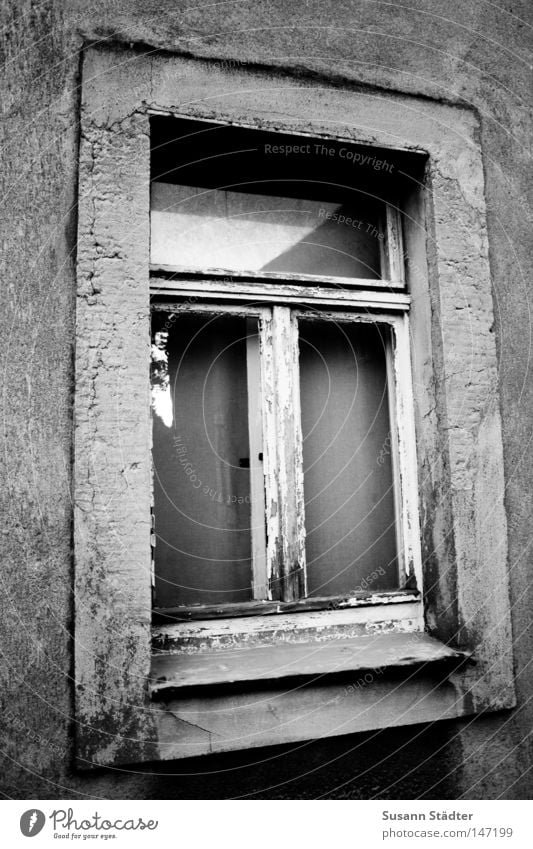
[476, 53]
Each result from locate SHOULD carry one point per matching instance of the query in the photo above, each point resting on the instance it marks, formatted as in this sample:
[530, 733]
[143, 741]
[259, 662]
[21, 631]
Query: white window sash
[279, 565]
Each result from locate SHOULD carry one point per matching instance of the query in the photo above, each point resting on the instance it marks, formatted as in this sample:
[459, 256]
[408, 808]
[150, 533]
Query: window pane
[201, 459]
[238, 231]
[349, 501]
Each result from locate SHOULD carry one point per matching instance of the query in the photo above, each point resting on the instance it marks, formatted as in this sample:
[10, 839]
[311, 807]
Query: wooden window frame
[278, 309]
[284, 474]
[459, 444]
[382, 301]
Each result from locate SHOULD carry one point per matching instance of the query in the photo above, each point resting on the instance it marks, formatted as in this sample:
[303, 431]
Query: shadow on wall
[421, 761]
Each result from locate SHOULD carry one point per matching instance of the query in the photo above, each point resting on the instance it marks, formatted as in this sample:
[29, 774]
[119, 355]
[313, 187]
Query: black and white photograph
[267, 421]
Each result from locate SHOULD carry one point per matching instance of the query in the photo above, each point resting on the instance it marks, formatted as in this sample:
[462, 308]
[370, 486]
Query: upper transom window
[233, 201]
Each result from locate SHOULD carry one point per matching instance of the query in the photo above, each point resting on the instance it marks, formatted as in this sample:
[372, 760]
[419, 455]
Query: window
[257, 327]
[217, 372]
[284, 469]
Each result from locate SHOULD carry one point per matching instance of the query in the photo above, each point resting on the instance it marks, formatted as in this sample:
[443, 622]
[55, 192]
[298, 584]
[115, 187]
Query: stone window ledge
[175, 671]
[222, 700]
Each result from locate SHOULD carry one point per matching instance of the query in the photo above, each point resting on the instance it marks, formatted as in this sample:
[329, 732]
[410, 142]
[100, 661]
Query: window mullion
[272, 519]
[283, 457]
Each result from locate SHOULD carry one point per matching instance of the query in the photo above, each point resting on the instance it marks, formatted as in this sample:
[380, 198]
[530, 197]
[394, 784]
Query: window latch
[244, 462]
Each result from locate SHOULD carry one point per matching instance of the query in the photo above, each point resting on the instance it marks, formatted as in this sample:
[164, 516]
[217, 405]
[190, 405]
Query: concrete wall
[475, 53]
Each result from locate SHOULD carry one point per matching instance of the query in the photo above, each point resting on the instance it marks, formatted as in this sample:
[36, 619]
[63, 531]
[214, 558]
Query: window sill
[175, 671]
[222, 700]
